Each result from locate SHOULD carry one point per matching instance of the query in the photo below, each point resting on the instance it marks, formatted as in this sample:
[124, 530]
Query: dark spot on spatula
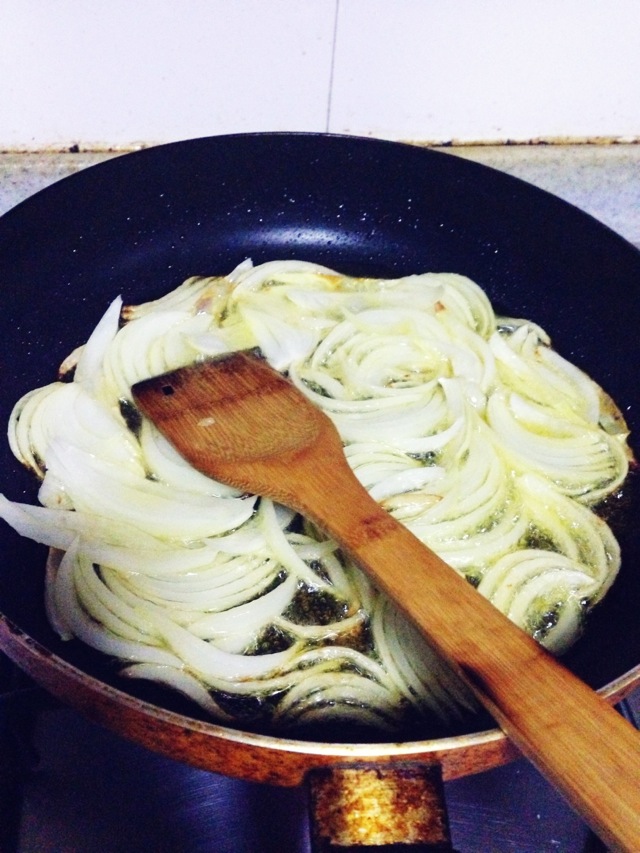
[376, 526]
[168, 390]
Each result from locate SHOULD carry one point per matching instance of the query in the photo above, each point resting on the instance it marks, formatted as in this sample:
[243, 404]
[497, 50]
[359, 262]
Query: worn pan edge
[246, 755]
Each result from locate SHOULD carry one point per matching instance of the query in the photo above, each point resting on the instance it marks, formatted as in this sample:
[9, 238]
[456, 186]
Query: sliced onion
[468, 428]
[97, 486]
[89, 367]
[209, 662]
[234, 630]
[175, 678]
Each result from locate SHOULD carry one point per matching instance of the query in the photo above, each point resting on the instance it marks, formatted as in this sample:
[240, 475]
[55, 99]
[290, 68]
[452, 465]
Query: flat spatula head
[236, 419]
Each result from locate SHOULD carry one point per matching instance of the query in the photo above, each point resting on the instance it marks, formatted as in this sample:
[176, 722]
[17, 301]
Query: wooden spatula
[240, 422]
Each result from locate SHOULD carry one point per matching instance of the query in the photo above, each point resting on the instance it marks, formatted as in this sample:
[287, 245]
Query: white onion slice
[468, 428]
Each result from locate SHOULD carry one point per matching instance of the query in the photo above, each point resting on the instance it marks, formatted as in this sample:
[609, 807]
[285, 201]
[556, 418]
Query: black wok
[139, 224]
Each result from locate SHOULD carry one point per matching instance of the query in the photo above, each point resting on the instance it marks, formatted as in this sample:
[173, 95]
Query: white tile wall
[129, 71]
[121, 73]
[487, 69]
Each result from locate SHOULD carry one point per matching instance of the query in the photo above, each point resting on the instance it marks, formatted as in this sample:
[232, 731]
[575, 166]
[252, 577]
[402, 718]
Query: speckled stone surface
[603, 180]
[22, 175]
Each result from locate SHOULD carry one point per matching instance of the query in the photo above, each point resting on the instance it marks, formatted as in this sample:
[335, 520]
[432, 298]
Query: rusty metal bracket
[394, 807]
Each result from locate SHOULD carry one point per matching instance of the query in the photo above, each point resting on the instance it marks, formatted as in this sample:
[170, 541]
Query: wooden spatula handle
[578, 741]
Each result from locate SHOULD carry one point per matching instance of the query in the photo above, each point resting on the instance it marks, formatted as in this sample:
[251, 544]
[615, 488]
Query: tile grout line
[332, 66]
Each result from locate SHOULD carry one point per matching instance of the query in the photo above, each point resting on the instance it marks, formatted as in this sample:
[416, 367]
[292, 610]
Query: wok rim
[246, 754]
